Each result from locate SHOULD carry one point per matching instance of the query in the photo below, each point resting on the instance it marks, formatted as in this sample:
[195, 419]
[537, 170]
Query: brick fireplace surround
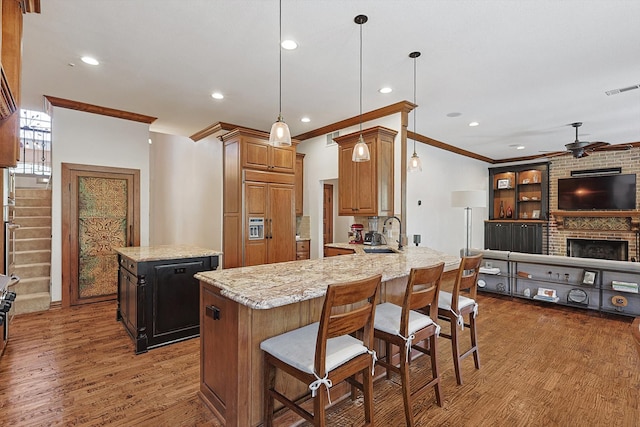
[609, 225]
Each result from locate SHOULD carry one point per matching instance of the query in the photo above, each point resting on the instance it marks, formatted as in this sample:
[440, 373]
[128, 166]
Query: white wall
[92, 139]
[441, 227]
[186, 191]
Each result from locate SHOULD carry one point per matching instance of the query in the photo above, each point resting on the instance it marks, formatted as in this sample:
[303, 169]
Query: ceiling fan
[579, 149]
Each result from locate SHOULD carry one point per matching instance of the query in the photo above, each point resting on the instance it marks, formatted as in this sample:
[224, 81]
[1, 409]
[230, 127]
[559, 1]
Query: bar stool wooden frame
[453, 307]
[404, 326]
[348, 308]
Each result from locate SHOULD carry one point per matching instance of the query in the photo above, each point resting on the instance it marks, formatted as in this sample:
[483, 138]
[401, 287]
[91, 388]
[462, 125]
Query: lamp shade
[469, 199]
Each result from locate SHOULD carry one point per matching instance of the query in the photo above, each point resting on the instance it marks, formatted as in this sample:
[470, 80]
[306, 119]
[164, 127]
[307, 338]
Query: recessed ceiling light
[305, 120]
[472, 124]
[90, 60]
[520, 147]
[385, 90]
[217, 95]
[454, 114]
[289, 44]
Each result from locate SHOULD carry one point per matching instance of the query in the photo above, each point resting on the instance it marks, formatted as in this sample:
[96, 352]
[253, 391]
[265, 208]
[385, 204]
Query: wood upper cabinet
[259, 154]
[366, 188]
[299, 183]
[11, 60]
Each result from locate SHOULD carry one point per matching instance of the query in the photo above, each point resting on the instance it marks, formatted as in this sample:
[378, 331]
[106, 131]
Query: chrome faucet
[389, 220]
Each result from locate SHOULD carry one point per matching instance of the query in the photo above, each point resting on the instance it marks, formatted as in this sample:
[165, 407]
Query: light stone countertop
[273, 285]
[162, 252]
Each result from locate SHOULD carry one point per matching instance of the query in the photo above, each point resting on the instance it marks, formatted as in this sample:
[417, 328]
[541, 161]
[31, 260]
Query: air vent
[624, 89]
[330, 137]
[597, 172]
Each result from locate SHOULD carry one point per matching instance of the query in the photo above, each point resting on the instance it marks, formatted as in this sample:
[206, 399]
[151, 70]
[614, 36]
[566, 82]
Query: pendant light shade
[360, 151]
[415, 164]
[280, 134]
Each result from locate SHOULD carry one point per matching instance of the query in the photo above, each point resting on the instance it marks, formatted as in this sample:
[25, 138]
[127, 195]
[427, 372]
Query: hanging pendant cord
[280, 65]
[360, 79]
[415, 104]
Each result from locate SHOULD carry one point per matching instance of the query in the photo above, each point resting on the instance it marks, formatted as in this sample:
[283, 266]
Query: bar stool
[324, 353]
[452, 307]
[403, 327]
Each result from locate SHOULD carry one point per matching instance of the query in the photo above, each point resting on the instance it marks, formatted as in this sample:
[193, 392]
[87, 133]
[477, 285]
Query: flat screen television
[608, 192]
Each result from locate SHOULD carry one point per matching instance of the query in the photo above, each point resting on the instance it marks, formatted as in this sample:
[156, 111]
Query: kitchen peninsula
[241, 307]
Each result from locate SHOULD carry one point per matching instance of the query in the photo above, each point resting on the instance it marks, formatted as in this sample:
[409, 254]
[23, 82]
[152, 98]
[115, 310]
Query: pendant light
[360, 151]
[280, 134]
[415, 164]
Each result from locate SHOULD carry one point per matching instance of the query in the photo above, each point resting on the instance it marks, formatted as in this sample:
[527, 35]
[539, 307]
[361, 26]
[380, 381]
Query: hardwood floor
[541, 365]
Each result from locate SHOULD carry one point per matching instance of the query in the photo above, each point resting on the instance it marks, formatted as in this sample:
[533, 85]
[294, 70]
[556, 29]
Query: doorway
[327, 214]
[100, 211]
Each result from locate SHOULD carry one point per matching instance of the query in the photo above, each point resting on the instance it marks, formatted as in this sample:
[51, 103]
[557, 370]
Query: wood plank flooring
[541, 365]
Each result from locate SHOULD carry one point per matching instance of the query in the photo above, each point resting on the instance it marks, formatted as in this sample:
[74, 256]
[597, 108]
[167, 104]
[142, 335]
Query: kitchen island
[157, 293]
[241, 307]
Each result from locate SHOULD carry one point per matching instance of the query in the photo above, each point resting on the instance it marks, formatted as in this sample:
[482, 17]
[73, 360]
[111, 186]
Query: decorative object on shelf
[525, 215]
[527, 292]
[415, 164]
[545, 294]
[624, 286]
[361, 151]
[535, 214]
[468, 199]
[481, 283]
[589, 277]
[501, 287]
[501, 209]
[524, 274]
[280, 134]
[509, 212]
[619, 302]
[504, 183]
[525, 181]
[536, 178]
[578, 296]
[524, 198]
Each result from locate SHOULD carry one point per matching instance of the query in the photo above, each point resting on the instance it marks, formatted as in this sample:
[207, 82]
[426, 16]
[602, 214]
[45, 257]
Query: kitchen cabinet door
[282, 224]
[527, 238]
[497, 236]
[299, 183]
[256, 207]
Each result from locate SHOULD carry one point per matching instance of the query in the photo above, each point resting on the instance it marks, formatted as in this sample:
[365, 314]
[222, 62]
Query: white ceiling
[523, 69]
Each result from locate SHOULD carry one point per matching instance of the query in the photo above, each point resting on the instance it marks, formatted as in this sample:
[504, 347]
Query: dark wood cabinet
[158, 300]
[514, 236]
[518, 208]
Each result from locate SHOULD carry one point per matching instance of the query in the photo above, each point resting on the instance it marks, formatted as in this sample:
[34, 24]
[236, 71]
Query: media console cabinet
[158, 296]
[595, 284]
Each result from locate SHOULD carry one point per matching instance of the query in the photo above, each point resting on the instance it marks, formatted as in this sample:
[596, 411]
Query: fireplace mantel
[633, 216]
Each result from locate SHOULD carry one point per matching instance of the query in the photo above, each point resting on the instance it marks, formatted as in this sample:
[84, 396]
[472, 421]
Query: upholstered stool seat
[327, 352]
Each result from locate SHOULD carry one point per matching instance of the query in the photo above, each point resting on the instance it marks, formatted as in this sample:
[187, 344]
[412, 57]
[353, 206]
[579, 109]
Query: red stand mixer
[356, 236]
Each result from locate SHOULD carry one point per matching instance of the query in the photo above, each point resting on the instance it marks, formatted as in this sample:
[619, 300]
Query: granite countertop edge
[273, 285]
[165, 252]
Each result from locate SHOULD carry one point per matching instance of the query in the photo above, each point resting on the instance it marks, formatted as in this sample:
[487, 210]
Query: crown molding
[95, 109]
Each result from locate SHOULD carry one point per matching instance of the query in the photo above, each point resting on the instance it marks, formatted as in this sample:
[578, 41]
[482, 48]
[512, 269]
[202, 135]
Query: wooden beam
[399, 107]
[95, 109]
[434, 143]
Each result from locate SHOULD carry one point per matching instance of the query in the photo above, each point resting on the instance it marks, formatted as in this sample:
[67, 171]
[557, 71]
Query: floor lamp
[468, 199]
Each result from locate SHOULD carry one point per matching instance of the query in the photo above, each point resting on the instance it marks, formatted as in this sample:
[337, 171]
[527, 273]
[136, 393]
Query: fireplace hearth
[617, 250]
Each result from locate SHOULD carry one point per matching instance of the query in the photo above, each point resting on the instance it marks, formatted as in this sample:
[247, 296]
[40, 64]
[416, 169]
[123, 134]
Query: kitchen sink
[379, 250]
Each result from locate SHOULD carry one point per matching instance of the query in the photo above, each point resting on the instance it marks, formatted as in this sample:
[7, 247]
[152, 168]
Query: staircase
[32, 250]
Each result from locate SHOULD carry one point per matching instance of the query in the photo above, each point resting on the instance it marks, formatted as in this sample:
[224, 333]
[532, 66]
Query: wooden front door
[100, 211]
[327, 214]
